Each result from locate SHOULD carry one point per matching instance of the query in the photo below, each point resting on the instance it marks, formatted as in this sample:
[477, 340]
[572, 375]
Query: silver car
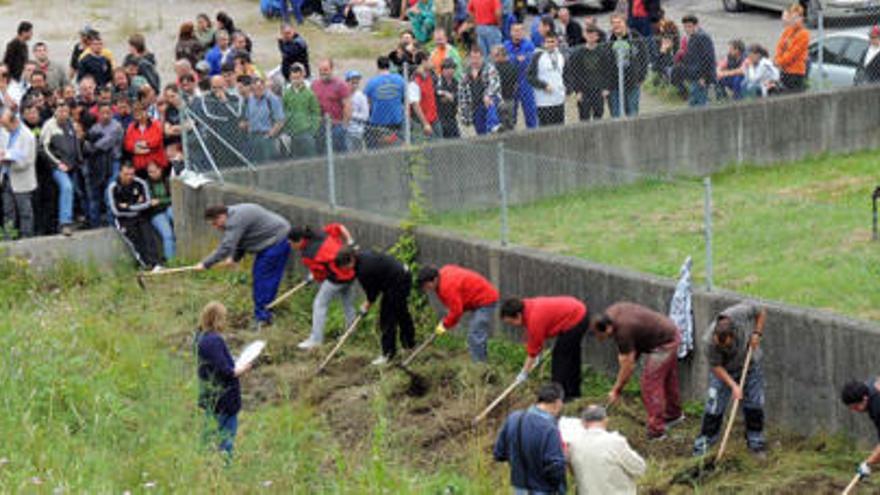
[841, 57]
[838, 9]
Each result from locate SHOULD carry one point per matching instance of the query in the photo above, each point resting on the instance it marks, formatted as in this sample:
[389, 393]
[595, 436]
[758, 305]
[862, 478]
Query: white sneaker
[308, 344]
[380, 361]
[157, 269]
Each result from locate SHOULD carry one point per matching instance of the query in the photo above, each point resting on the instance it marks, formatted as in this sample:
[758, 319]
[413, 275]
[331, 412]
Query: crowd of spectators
[481, 64]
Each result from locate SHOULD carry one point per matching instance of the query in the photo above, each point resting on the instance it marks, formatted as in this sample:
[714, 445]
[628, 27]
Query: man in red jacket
[463, 290]
[318, 251]
[562, 317]
[639, 330]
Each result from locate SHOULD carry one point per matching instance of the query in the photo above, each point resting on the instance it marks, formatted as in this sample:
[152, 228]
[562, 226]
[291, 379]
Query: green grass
[798, 232]
[99, 397]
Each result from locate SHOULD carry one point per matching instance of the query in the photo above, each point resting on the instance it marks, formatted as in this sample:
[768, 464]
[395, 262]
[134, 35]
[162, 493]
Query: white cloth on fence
[681, 309]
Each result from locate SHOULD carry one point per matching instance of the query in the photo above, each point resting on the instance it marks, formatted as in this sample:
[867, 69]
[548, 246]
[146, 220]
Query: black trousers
[793, 83]
[394, 315]
[592, 105]
[566, 366]
[551, 115]
[141, 239]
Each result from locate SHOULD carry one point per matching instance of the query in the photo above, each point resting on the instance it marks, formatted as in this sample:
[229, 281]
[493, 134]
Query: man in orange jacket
[792, 50]
[463, 290]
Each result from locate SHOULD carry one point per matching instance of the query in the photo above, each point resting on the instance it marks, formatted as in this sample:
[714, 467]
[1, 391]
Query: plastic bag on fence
[681, 309]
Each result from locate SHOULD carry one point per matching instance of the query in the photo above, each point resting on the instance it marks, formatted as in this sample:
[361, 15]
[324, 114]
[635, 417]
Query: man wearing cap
[360, 112]
[460, 290]
[303, 113]
[869, 68]
[602, 460]
[734, 331]
[560, 317]
[639, 330]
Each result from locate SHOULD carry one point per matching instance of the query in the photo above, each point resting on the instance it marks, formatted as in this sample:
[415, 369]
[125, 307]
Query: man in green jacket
[303, 114]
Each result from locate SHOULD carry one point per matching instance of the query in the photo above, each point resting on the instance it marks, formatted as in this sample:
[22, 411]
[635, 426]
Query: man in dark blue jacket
[530, 442]
[294, 49]
[698, 61]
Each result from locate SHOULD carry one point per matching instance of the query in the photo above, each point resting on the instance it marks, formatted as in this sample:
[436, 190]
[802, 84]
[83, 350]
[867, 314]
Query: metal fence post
[621, 86]
[502, 188]
[823, 77]
[407, 119]
[331, 166]
[185, 125]
[707, 221]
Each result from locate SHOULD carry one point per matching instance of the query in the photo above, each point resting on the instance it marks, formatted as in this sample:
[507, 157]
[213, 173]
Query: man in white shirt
[602, 461]
[18, 180]
[545, 74]
[360, 112]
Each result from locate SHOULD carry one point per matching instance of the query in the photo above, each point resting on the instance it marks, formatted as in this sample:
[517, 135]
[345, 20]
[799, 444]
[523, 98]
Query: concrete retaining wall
[809, 354]
[100, 246]
[548, 162]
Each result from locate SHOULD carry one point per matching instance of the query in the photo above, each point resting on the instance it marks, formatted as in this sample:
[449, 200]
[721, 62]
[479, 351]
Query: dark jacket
[219, 389]
[294, 51]
[589, 69]
[868, 74]
[699, 58]
[96, 66]
[135, 196]
[508, 74]
[574, 34]
[379, 273]
[530, 442]
[447, 110]
[635, 57]
[15, 57]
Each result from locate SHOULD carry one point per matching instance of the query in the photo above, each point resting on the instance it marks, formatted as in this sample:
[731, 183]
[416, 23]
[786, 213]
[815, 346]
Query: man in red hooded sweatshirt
[461, 290]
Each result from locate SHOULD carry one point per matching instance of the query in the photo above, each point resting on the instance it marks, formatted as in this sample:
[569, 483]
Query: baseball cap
[353, 74]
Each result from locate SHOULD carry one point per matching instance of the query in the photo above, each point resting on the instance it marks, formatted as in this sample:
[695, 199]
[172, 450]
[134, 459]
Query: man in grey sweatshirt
[250, 228]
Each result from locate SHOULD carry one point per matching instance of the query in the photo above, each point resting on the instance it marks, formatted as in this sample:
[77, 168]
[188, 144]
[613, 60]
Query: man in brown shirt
[639, 330]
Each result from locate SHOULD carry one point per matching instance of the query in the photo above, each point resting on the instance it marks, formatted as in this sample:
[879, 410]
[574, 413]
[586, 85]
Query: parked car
[837, 9]
[842, 56]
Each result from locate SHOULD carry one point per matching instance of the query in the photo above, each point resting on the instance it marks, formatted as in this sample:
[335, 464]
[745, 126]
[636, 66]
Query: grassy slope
[798, 233]
[98, 397]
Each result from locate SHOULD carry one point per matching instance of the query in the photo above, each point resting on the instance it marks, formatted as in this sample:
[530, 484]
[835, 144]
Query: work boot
[308, 344]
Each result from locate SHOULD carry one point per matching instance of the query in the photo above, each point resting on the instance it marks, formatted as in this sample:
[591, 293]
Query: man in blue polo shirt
[530, 442]
[385, 92]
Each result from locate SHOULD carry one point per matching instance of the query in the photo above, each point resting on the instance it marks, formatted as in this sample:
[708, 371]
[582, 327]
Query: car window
[854, 52]
[833, 53]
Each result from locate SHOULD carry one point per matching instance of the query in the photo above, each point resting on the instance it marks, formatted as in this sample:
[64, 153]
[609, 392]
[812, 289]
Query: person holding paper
[219, 388]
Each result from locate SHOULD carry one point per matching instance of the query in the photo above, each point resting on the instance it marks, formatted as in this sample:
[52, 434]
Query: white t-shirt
[360, 113]
[871, 53]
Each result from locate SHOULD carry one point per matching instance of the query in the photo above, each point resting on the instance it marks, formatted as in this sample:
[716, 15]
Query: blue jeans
[95, 197]
[221, 428]
[337, 136]
[297, 11]
[631, 102]
[163, 222]
[487, 37]
[65, 196]
[267, 272]
[698, 94]
[485, 118]
[478, 333]
[734, 84]
[717, 398]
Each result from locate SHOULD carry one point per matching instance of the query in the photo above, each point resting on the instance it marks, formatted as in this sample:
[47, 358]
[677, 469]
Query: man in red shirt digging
[460, 290]
[562, 317]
